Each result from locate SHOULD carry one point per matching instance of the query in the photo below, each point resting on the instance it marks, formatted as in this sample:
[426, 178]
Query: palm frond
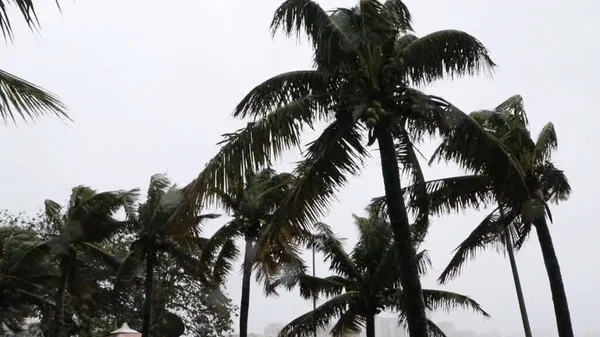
[215, 243]
[282, 90]
[34, 254]
[129, 265]
[21, 98]
[409, 160]
[487, 233]
[445, 300]
[223, 263]
[110, 259]
[335, 154]
[470, 145]
[320, 318]
[445, 53]
[514, 106]
[310, 286]
[397, 13]
[349, 323]
[554, 183]
[447, 195]
[546, 143]
[327, 33]
[251, 149]
[53, 212]
[434, 329]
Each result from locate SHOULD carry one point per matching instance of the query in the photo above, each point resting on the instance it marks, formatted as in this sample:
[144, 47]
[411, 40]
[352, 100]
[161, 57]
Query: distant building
[272, 330]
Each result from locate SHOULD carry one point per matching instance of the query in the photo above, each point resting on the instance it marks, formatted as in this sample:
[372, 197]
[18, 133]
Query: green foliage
[365, 283]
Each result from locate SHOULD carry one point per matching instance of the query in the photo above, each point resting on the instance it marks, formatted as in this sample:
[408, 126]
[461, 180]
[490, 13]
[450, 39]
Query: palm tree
[155, 237]
[87, 221]
[365, 283]
[521, 195]
[252, 204]
[21, 289]
[365, 60]
[19, 98]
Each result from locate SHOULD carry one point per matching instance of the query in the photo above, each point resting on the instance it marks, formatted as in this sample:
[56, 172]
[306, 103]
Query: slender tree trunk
[409, 276]
[314, 295]
[246, 275]
[515, 272]
[559, 296]
[371, 326]
[148, 291]
[59, 315]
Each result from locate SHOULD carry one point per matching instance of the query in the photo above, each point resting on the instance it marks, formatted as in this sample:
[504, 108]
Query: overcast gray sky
[151, 85]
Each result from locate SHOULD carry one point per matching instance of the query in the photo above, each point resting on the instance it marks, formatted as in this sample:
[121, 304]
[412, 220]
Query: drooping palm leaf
[445, 300]
[444, 53]
[304, 325]
[487, 233]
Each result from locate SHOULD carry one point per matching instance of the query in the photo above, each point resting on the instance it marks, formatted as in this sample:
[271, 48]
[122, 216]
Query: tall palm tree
[19, 98]
[154, 237]
[530, 180]
[252, 204]
[365, 283]
[87, 221]
[365, 60]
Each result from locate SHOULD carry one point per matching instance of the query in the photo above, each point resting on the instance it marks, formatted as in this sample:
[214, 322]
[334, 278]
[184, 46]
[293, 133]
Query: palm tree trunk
[59, 315]
[148, 292]
[515, 272]
[246, 275]
[314, 295]
[409, 276]
[559, 296]
[371, 326]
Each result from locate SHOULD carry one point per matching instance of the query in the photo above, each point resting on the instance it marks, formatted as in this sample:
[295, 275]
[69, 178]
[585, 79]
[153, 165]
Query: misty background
[151, 86]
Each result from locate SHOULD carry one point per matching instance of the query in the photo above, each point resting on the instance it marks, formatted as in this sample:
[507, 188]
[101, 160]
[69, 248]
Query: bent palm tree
[87, 221]
[517, 209]
[155, 237]
[365, 61]
[252, 205]
[19, 98]
[365, 283]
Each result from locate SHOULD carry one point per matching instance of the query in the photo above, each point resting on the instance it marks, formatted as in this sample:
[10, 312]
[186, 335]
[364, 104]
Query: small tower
[125, 331]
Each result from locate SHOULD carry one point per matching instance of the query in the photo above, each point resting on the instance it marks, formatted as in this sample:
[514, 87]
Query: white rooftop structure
[125, 331]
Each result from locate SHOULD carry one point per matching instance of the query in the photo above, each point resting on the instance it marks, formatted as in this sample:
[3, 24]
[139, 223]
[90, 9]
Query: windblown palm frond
[444, 53]
[445, 300]
[304, 325]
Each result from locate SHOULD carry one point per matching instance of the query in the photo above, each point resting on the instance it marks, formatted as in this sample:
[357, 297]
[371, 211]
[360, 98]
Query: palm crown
[366, 282]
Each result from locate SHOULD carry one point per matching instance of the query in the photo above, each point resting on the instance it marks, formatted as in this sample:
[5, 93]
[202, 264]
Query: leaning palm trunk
[246, 275]
[409, 276]
[59, 315]
[559, 296]
[517, 280]
[149, 292]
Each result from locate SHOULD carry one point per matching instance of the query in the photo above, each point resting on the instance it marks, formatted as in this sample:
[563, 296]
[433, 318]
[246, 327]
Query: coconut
[371, 122]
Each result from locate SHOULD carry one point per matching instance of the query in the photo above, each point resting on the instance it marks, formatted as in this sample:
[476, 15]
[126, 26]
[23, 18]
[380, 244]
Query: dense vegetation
[79, 268]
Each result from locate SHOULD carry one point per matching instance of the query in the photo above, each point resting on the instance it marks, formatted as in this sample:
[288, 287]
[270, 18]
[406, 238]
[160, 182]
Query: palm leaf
[250, 148]
[546, 143]
[349, 323]
[223, 263]
[304, 325]
[447, 301]
[487, 233]
[310, 286]
[397, 13]
[282, 90]
[23, 99]
[336, 153]
[328, 34]
[554, 183]
[434, 329]
[407, 157]
[469, 144]
[108, 258]
[445, 53]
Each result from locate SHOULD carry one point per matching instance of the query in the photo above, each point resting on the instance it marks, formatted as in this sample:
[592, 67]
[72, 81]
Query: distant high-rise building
[388, 327]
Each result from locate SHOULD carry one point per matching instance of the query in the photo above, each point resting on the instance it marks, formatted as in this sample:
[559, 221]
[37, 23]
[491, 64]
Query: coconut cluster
[374, 112]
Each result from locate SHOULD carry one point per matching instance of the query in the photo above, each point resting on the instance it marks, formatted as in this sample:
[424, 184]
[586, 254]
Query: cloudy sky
[151, 87]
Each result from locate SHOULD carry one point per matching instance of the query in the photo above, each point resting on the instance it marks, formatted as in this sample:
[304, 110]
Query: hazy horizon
[151, 88]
